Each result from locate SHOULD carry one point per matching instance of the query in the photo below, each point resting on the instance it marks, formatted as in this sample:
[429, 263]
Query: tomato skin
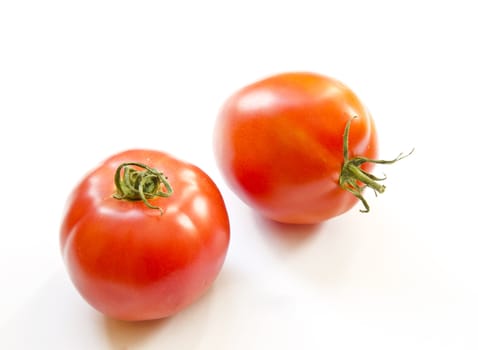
[279, 144]
[129, 261]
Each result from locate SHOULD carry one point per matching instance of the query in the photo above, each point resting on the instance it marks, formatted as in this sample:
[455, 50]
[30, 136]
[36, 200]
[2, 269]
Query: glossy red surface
[129, 261]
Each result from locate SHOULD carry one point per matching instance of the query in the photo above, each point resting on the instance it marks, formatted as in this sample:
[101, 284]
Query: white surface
[82, 80]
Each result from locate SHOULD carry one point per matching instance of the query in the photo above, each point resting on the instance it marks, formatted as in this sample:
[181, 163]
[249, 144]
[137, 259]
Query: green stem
[134, 185]
[353, 178]
[363, 177]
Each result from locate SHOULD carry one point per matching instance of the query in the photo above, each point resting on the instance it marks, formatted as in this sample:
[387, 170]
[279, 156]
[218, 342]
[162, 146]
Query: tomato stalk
[354, 179]
[142, 185]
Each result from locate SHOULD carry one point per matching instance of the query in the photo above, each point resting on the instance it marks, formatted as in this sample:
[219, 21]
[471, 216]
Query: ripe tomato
[297, 147]
[142, 244]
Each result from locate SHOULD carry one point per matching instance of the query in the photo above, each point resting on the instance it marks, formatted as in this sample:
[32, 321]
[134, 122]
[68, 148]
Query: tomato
[144, 235]
[297, 147]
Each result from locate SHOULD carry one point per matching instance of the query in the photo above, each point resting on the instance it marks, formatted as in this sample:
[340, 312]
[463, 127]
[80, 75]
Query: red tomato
[150, 248]
[297, 147]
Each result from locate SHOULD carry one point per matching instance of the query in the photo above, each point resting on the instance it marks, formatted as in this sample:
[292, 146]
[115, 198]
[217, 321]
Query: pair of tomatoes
[146, 234]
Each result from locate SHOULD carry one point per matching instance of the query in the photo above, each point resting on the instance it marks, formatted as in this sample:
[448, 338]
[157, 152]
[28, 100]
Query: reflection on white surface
[245, 311]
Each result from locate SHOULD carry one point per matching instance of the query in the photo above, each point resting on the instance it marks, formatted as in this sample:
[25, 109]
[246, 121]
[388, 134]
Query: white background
[81, 80]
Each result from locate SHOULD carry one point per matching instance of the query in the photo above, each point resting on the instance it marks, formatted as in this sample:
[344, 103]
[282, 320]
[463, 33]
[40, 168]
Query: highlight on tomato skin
[144, 235]
[298, 147]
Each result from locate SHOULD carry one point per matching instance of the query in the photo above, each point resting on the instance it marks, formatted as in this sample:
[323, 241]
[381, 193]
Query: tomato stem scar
[142, 185]
[354, 179]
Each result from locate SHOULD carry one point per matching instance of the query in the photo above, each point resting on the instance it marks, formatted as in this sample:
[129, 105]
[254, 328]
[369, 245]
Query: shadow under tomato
[127, 335]
[182, 330]
[286, 235]
[320, 254]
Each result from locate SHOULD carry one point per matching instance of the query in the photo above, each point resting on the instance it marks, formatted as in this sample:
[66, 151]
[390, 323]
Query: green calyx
[354, 179]
[133, 184]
